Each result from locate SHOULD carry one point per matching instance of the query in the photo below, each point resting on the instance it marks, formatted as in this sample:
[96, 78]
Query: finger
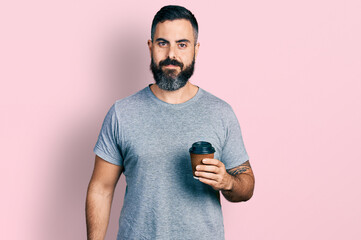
[211, 161]
[208, 168]
[207, 175]
[212, 183]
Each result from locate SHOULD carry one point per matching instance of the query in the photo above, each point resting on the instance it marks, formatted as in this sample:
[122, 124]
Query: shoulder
[215, 103]
[132, 102]
[219, 110]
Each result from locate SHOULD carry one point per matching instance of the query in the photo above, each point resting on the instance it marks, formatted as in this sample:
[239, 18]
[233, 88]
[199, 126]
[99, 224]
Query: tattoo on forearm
[240, 169]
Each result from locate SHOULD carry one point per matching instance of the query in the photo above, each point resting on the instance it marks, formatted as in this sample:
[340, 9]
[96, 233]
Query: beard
[168, 79]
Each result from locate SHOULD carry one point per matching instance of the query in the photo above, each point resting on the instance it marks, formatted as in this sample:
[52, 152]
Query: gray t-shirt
[151, 140]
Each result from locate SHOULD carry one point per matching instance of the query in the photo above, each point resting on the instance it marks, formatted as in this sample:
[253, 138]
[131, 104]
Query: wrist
[229, 183]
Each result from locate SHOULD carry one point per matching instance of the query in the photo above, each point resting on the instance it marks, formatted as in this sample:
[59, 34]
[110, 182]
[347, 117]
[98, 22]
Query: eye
[162, 44]
[182, 45]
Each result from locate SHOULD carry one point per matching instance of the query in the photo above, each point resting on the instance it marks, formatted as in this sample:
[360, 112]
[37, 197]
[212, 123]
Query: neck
[175, 97]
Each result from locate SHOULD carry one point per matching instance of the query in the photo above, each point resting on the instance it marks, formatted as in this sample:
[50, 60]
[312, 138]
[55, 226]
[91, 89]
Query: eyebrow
[178, 41]
[182, 40]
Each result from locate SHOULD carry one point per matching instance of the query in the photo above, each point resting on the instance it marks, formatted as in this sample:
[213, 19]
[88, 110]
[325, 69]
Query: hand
[214, 174]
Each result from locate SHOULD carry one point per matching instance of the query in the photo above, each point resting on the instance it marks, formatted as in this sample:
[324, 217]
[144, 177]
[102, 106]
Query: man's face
[173, 52]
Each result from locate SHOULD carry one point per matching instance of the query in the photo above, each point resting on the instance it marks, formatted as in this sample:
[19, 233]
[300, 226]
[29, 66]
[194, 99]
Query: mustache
[169, 61]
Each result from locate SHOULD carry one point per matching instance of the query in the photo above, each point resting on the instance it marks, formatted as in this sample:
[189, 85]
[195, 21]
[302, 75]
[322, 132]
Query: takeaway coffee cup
[198, 152]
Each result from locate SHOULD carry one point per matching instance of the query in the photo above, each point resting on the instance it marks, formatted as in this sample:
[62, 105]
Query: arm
[99, 197]
[236, 184]
[242, 183]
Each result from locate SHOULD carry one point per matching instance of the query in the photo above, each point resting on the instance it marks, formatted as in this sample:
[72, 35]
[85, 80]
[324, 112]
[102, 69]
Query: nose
[172, 52]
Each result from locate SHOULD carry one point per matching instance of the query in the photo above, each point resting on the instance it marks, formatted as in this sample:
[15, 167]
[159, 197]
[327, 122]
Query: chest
[163, 138]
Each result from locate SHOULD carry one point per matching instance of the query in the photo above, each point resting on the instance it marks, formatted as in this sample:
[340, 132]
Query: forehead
[174, 30]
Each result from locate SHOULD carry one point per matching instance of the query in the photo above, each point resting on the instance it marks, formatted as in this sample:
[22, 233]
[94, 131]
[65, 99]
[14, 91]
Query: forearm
[98, 205]
[241, 188]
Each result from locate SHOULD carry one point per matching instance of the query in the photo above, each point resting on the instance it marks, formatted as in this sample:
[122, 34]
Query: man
[147, 136]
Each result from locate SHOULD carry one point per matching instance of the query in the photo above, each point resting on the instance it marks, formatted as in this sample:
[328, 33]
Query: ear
[150, 46]
[196, 48]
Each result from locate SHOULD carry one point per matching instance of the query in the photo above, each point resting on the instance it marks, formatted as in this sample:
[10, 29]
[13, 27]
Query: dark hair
[173, 12]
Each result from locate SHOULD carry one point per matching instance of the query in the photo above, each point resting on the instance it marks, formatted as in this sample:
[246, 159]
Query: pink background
[290, 69]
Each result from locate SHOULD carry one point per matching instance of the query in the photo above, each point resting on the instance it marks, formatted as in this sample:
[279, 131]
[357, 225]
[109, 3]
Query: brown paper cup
[196, 159]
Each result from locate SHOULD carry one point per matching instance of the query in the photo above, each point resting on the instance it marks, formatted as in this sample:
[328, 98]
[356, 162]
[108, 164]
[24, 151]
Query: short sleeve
[107, 146]
[233, 152]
